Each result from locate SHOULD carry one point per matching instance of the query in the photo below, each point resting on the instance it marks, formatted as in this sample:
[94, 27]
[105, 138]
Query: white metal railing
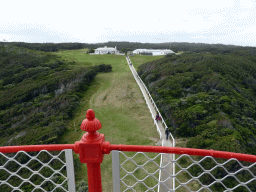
[134, 70]
[152, 115]
[153, 103]
[195, 173]
[158, 129]
[23, 164]
[173, 140]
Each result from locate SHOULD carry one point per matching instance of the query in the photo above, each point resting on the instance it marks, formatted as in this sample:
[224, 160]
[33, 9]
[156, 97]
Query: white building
[153, 51]
[106, 50]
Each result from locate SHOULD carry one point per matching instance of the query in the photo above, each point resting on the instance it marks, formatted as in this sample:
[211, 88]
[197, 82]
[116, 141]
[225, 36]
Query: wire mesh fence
[137, 171]
[140, 172]
[195, 173]
[37, 171]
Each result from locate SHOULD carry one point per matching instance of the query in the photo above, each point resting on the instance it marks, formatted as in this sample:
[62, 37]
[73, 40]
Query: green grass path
[119, 105]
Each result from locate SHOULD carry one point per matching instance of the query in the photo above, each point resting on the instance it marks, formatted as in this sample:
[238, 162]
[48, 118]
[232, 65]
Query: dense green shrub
[210, 99]
[199, 86]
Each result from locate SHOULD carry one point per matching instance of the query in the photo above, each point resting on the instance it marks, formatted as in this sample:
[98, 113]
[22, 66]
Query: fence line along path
[166, 162]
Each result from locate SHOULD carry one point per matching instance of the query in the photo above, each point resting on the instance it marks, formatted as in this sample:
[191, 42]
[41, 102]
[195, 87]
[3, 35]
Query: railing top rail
[107, 147]
[192, 151]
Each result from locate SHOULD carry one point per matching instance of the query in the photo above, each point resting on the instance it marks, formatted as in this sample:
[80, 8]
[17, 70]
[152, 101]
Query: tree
[91, 51]
[125, 50]
[175, 50]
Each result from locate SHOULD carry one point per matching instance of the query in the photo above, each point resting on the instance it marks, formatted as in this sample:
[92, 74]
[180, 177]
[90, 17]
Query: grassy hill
[125, 118]
[207, 97]
[48, 106]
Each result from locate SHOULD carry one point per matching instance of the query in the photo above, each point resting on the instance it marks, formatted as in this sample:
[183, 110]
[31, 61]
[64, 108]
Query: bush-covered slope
[209, 98]
[38, 94]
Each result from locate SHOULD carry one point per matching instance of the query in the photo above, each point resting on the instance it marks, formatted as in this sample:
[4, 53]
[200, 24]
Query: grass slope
[119, 105]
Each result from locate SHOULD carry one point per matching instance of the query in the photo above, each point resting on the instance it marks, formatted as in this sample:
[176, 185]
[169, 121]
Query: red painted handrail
[29, 148]
[92, 147]
[189, 151]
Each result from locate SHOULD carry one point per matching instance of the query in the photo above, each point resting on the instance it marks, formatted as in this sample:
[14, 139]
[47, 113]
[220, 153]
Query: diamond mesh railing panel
[196, 173]
[139, 171]
[37, 171]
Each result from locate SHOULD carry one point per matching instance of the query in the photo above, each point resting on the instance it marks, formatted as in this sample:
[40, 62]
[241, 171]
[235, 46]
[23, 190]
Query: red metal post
[90, 150]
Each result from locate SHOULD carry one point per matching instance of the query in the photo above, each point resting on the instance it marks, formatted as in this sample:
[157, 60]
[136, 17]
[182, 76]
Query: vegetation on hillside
[39, 93]
[206, 94]
[91, 51]
[207, 97]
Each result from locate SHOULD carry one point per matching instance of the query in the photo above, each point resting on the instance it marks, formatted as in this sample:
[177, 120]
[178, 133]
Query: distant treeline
[47, 47]
[130, 46]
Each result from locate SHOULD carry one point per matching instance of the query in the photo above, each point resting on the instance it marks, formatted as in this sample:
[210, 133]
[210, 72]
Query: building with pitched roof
[106, 50]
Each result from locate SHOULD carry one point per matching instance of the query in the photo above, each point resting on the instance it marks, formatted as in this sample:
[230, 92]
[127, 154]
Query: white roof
[153, 50]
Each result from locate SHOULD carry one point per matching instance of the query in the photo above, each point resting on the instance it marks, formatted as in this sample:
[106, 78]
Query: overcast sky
[90, 21]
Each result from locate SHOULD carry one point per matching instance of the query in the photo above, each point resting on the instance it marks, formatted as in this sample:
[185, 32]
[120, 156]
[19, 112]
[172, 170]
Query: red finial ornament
[90, 124]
